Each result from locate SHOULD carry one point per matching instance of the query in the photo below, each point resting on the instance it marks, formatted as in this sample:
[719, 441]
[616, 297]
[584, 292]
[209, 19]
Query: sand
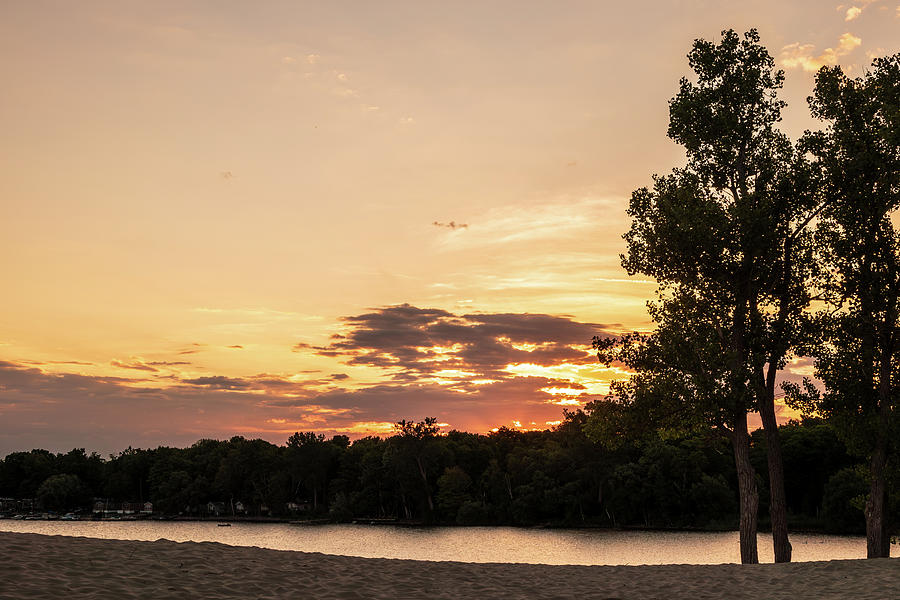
[59, 568]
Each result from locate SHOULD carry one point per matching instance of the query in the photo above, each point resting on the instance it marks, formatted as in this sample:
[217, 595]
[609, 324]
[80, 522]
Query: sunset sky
[233, 218]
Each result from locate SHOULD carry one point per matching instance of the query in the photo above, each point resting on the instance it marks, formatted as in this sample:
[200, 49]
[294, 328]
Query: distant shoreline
[375, 521]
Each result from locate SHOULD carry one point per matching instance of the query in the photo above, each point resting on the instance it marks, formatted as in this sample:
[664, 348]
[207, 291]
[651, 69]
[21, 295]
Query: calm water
[470, 544]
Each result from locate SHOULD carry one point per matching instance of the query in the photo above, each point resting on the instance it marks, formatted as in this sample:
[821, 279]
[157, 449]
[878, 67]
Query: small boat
[223, 524]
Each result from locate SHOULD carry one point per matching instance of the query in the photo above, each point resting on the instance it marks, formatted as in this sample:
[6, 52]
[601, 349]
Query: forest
[558, 477]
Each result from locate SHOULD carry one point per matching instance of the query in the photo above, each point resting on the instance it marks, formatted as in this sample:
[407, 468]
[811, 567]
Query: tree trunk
[740, 439]
[777, 500]
[749, 496]
[425, 483]
[878, 543]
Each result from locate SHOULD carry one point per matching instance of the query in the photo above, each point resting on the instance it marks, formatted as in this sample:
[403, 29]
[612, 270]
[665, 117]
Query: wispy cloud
[515, 224]
[137, 365]
[804, 56]
[57, 362]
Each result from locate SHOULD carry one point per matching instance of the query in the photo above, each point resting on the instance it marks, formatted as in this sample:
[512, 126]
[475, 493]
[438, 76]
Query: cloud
[450, 225]
[854, 11]
[803, 56]
[219, 382]
[412, 343]
[474, 371]
[58, 362]
[236, 347]
[59, 412]
[565, 218]
[62, 411]
[136, 365]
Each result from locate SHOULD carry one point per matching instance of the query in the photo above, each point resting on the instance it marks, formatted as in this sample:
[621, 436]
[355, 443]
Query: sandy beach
[57, 567]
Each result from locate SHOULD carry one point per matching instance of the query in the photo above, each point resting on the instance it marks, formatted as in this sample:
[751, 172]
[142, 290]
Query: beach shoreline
[53, 567]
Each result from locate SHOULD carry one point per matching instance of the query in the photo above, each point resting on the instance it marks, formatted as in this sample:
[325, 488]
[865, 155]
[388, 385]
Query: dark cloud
[268, 383]
[59, 412]
[415, 342]
[34, 380]
[57, 362]
[219, 382]
[339, 376]
[107, 414]
[237, 347]
[168, 363]
[136, 365]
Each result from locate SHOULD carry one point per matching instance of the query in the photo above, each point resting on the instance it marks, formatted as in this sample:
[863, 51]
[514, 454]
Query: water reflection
[467, 544]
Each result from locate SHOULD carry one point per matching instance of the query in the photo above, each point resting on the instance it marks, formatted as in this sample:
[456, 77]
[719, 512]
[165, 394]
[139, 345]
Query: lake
[467, 544]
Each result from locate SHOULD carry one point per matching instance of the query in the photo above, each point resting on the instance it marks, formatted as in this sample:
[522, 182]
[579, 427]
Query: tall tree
[726, 238]
[858, 357]
[415, 444]
[682, 383]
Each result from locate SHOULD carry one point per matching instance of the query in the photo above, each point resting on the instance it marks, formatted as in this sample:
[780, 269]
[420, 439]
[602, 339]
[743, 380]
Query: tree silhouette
[858, 352]
[414, 443]
[727, 239]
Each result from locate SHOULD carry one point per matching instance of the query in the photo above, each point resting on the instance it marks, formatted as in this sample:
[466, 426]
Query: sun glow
[369, 428]
[592, 378]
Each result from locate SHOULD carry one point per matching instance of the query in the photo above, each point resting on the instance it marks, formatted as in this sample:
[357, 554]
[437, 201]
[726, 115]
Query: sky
[230, 218]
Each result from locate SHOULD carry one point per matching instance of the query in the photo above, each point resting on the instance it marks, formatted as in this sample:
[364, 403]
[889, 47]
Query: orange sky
[227, 219]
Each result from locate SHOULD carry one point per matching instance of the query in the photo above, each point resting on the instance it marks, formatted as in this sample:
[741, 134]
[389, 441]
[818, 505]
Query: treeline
[556, 477]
